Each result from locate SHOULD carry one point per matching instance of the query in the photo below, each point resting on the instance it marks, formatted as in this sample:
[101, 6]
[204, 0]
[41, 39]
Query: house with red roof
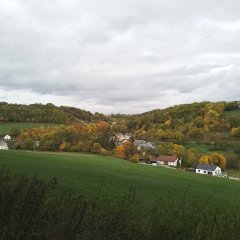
[172, 161]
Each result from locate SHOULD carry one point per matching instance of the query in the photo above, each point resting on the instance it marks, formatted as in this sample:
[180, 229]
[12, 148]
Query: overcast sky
[125, 56]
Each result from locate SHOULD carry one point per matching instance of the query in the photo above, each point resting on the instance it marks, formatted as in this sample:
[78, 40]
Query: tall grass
[33, 209]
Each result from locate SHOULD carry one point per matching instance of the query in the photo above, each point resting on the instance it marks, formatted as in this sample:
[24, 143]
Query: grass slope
[234, 113]
[91, 174]
[5, 127]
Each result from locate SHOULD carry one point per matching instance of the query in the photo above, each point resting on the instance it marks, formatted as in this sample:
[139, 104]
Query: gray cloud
[119, 56]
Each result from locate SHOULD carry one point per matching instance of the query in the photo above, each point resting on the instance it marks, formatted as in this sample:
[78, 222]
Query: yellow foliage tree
[63, 146]
[168, 122]
[191, 156]
[204, 160]
[120, 151]
[214, 159]
[218, 159]
[135, 157]
[235, 132]
[177, 150]
[97, 148]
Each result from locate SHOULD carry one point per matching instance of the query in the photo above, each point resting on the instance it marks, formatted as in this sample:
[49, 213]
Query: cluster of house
[173, 161]
[170, 161]
[141, 144]
[4, 141]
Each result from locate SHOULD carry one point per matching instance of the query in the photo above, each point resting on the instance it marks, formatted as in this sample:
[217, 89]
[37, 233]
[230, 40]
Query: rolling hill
[48, 113]
[106, 198]
[91, 175]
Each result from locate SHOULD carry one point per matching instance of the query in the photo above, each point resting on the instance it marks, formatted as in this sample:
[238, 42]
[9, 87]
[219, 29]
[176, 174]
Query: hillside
[80, 196]
[10, 127]
[90, 175]
[189, 130]
[40, 113]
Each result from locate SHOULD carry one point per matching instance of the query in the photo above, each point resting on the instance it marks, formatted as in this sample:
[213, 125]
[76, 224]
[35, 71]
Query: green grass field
[235, 113]
[90, 175]
[200, 147]
[5, 127]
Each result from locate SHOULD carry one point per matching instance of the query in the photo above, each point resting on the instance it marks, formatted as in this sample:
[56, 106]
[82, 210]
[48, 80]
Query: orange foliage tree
[214, 159]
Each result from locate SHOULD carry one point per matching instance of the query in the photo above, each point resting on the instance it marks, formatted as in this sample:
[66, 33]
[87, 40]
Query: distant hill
[183, 122]
[176, 124]
[187, 113]
[47, 113]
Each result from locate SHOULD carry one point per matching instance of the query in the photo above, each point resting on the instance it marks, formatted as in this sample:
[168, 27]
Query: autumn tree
[177, 149]
[204, 159]
[135, 157]
[120, 152]
[235, 132]
[28, 144]
[66, 146]
[126, 150]
[191, 157]
[214, 159]
[14, 131]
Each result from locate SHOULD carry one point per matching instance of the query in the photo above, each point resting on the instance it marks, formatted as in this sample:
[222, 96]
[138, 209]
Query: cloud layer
[119, 56]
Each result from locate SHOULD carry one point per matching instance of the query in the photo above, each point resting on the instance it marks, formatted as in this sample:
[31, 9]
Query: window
[198, 170]
[205, 171]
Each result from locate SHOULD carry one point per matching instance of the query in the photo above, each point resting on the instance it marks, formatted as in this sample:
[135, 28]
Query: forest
[47, 113]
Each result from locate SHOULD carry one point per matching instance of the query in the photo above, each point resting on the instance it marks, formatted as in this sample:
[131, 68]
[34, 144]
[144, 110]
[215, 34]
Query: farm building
[3, 145]
[208, 169]
[171, 161]
[7, 138]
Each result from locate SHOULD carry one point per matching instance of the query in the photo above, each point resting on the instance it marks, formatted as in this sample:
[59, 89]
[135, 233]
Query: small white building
[3, 145]
[7, 138]
[208, 169]
[171, 161]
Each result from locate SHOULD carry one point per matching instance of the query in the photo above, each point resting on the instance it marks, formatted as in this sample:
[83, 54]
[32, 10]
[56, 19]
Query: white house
[3, 145]
[208, 169]
[7, 138]
[171, 161]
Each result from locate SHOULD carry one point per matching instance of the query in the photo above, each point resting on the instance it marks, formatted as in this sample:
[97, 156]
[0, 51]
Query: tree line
[45, 113]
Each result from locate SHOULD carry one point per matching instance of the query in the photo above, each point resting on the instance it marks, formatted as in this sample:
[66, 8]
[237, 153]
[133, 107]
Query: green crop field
[90, 175]
[5, 127]
[93, 201]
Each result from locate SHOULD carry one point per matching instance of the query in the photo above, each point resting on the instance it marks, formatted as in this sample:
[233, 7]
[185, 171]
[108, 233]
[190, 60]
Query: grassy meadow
[5, 127]
[105, 198]
[90, 175]
[233, 113]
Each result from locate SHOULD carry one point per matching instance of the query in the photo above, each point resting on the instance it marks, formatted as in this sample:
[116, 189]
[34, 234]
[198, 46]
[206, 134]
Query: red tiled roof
[164, 159]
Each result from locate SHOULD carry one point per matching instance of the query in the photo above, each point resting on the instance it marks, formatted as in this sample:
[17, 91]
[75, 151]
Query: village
[169, 161]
